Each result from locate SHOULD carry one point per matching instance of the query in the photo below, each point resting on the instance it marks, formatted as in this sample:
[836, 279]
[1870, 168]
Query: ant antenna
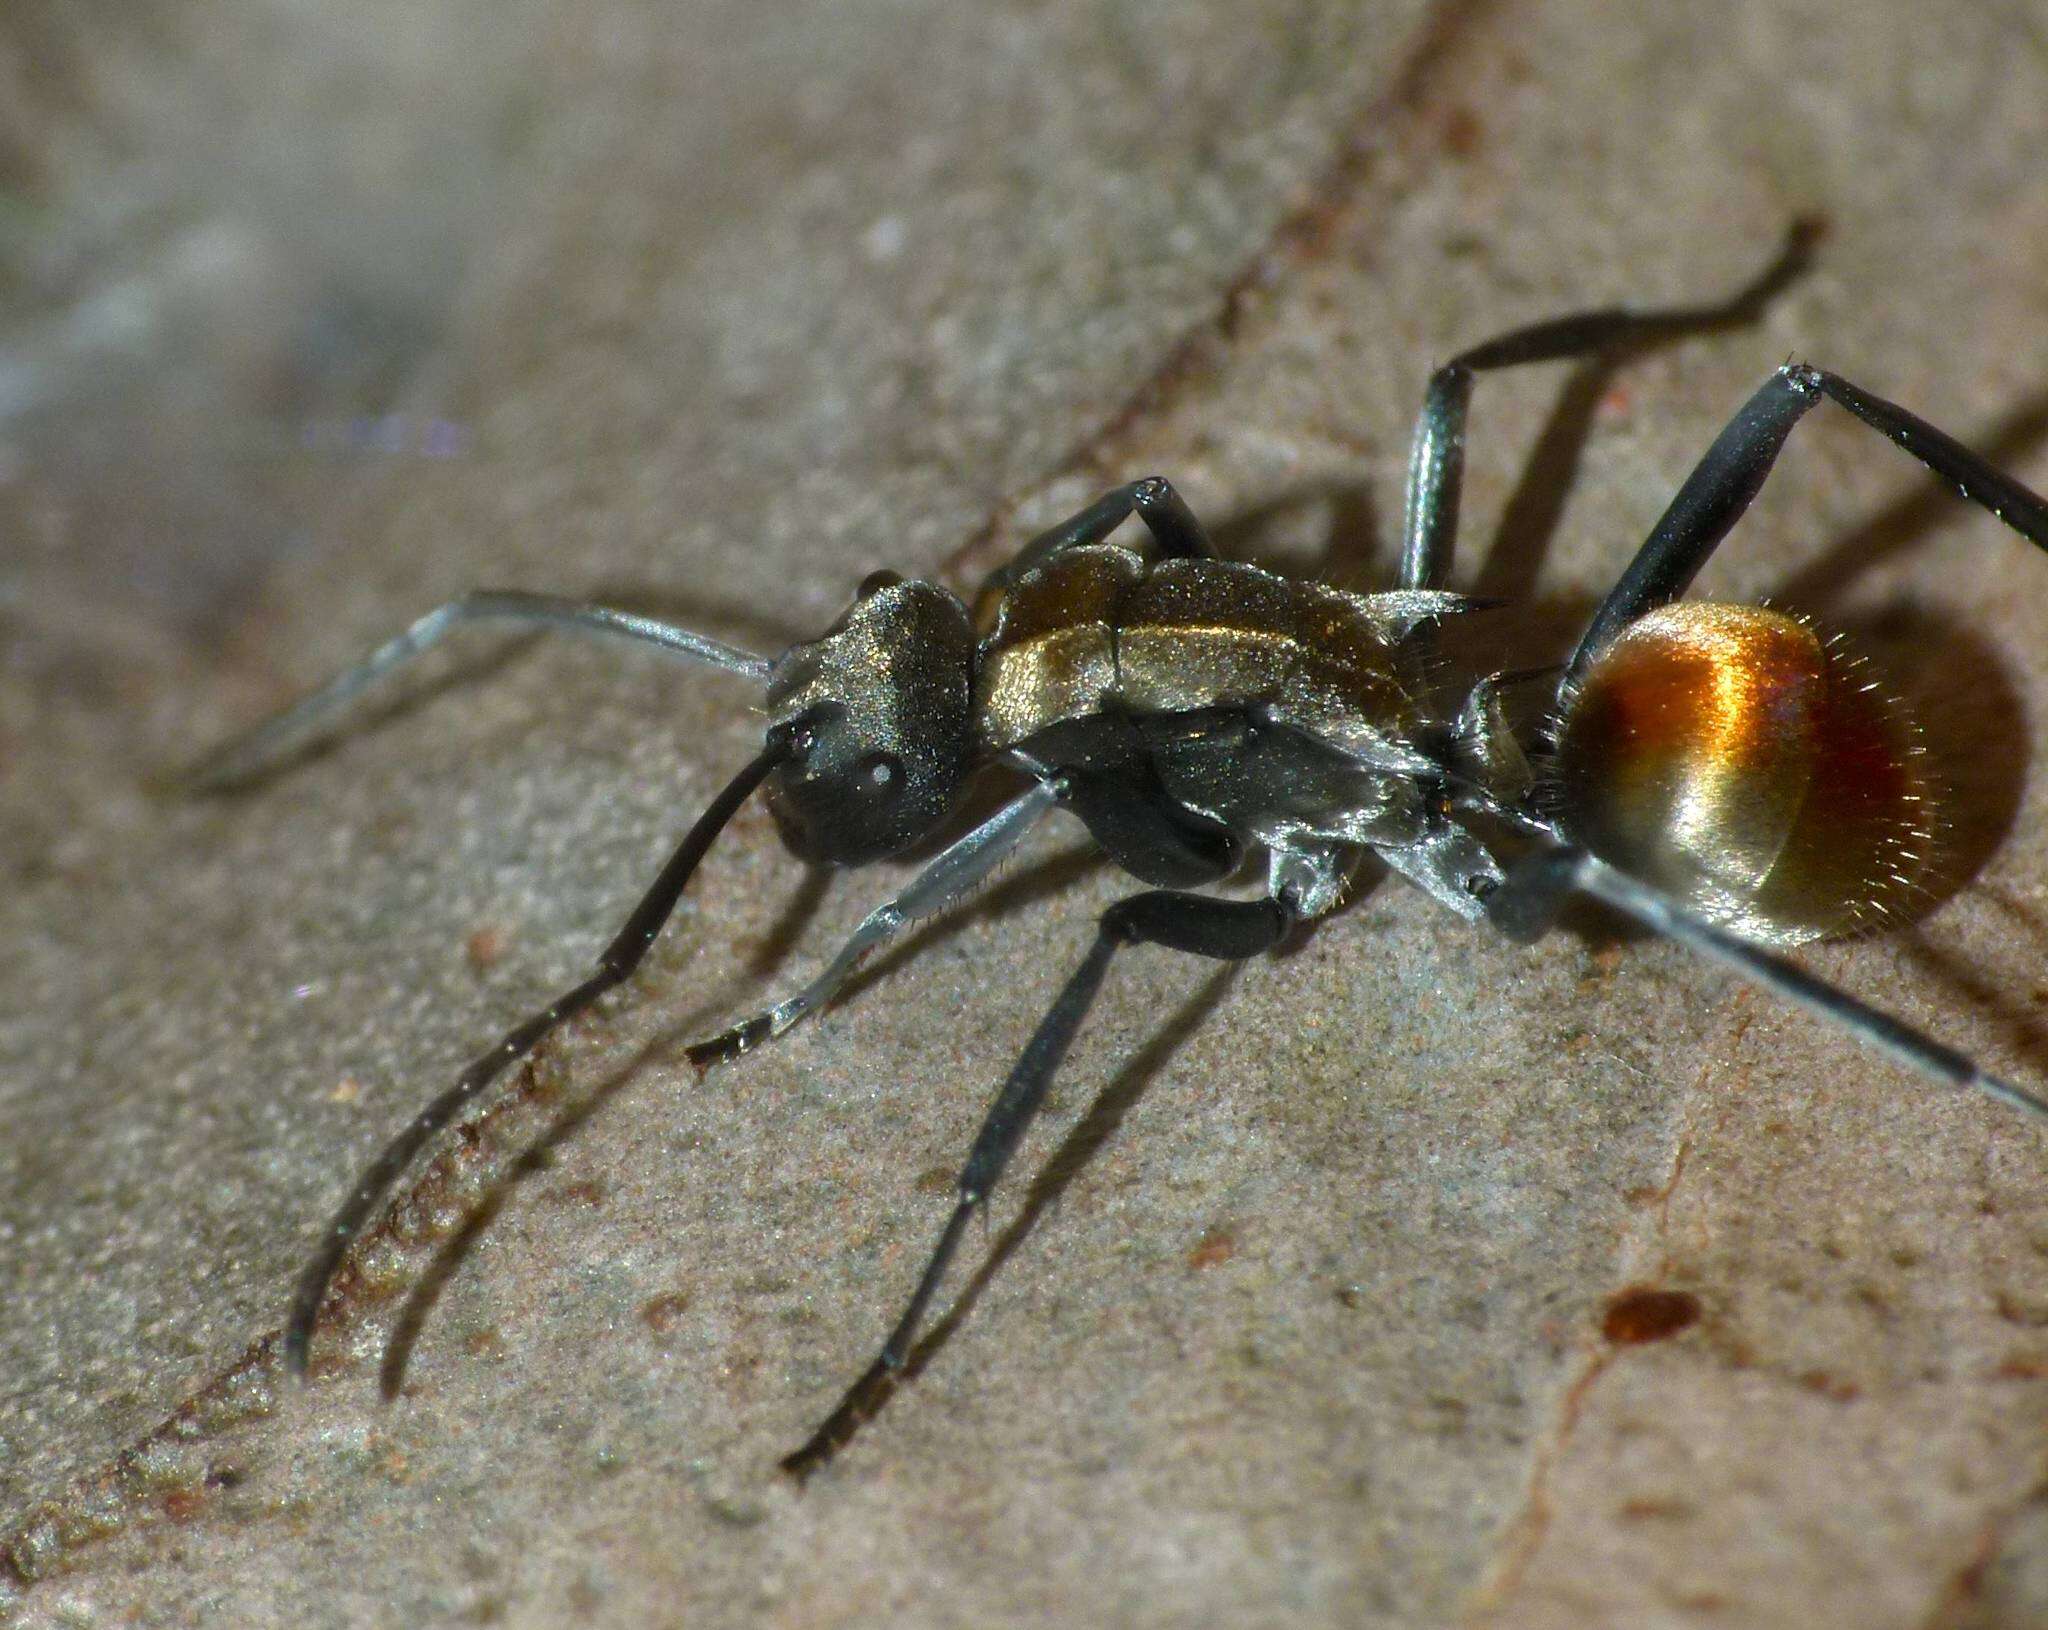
[261, 749]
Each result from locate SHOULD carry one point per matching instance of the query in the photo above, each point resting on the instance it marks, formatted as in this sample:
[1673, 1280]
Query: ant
[1720, 774]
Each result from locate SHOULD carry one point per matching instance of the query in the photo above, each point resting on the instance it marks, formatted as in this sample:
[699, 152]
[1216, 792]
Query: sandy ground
[1407, 1278]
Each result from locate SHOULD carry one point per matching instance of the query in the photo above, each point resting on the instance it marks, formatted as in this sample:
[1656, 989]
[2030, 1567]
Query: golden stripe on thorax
[1097, 626]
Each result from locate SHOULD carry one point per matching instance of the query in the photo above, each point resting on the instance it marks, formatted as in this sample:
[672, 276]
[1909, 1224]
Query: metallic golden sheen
[1730, 756]
[1098, 626]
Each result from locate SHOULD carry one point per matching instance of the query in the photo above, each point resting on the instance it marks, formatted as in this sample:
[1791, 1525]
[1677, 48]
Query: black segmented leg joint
[1526, 906]
[1803, 377]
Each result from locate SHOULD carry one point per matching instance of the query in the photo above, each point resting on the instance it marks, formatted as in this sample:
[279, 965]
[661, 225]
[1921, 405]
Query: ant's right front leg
[1153, 500]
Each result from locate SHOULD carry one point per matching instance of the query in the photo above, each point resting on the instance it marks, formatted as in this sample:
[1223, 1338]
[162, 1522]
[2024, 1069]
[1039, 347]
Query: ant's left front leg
[1153, 500]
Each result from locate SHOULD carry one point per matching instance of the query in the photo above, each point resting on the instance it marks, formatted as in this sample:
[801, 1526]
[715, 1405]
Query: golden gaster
[1734, 758]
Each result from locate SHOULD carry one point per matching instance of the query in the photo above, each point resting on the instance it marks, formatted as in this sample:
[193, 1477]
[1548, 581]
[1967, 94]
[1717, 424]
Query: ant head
[880, 716]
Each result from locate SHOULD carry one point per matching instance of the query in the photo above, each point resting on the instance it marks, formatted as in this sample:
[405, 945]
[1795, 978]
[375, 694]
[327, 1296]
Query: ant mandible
[1718, 773]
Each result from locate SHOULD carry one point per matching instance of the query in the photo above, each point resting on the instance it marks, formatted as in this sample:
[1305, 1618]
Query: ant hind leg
[1537, 889]
[1436, 456]
[1734, 470]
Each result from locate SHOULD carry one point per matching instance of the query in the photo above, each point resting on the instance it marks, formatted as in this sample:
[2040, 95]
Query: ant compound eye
[845, 804]
[875, 582]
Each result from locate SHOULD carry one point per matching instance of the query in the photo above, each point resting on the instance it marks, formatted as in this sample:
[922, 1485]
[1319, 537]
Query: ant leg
[614, 967]
[1153, 500]
[1228, 930]
[260, 749]
[1436, 457]
[1721, 486]
[1525, 906]
[955, 873]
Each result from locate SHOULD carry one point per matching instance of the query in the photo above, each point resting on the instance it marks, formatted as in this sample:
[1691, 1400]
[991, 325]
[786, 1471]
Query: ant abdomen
[1748, 766]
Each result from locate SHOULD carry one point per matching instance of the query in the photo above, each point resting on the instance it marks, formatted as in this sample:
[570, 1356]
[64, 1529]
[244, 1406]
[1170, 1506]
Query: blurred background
[230, 238]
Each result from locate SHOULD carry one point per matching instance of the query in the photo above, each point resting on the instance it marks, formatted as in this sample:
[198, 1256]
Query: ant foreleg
[1228, 930]
[614, 967]
[957, 871]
